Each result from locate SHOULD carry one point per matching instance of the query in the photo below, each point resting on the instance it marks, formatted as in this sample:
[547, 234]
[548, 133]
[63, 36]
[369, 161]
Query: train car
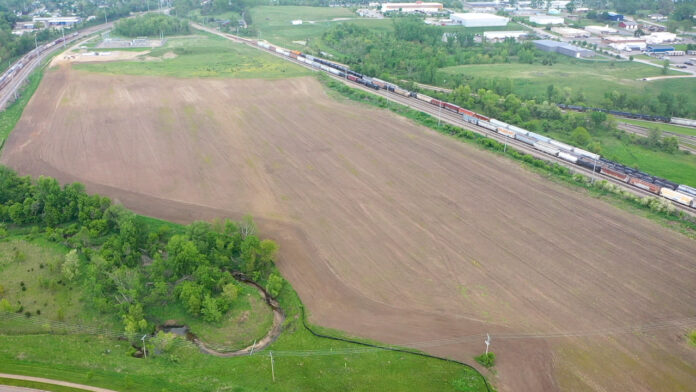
[499, 123]
[379, 82]
[353, 78]
[424, 98]
[519, 130]
[401, 91]
[539, 137]
[677, 196]
[560, 145]
[470, 119]
[487, 125]
[579, 151]
[451, 107]
[615, 174]
[666, 183]
[466, 112]
[505, 132]
[482, 117]
[547, 148]
[436, 102]
[335, 71]
[640, 183]
[683, 121]
[568, 157]
[525, 139]
[687, 189]
[324, 67]
[296, 52]
[589, 164]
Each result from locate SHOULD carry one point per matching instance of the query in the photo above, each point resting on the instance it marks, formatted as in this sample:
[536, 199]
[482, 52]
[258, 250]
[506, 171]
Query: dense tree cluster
[125, 265]
[151, 25]
[415, 50]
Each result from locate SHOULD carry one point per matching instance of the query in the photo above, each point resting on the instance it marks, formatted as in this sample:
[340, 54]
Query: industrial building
[418, 6]
[563, 48]
[54, 21]
[497, 36]
[615, 17]
[567, 32]
[659, 48]
[599, 30]
[628, 25]
[660, 37]
[475, 19]
[546, 19]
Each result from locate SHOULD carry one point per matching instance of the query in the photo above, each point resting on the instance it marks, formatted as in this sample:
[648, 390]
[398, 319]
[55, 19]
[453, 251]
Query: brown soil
[387, 230]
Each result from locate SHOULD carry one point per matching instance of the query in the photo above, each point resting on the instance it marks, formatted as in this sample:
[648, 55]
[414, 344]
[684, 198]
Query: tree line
[151, 25]
[124, 265]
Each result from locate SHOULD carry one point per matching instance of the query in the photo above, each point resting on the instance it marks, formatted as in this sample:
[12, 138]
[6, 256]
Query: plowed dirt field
[387, 230]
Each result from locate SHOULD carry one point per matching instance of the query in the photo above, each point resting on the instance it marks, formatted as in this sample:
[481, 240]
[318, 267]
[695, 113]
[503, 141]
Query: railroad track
[686, 142]
[10, 91]
[454, 119]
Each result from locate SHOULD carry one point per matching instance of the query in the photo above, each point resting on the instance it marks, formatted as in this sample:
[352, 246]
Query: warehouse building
[659, 48]
[628, 25]
[599, 30]
[563, 48]
[54, 21]
[660, 37]
[546, 19]
[497, 36]
[567, 32]
[615, 17]
[474, 19]
[418, 6]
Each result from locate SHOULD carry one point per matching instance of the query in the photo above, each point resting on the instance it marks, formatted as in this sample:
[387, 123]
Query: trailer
[547, 148]
[677, 196]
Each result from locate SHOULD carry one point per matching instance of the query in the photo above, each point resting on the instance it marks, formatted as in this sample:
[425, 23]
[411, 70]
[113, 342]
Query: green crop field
[202, 56]
[661, 126]
[593, 78]
[274, 23]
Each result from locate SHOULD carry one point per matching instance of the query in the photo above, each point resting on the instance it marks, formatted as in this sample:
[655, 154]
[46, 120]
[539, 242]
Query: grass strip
[37, 385]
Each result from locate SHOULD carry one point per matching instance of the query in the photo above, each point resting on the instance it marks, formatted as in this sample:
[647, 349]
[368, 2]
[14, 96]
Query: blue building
[659, 48]
[615, 17]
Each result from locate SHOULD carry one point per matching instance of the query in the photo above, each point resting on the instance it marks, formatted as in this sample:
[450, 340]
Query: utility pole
[439, 113]
[144, 348]
[488, 342]
[105, 19]
[272, 367]
[62, 30]
[593, 170]
[252, 348]
[36, 45]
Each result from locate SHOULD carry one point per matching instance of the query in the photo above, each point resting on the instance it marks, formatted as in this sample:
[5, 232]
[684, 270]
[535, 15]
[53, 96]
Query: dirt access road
[387, 230]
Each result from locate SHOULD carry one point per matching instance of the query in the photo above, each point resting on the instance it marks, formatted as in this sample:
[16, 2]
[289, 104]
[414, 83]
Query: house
[628, 25]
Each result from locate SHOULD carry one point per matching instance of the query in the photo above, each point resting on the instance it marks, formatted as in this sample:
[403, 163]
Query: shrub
[486, 360]
[691, 337]
[274, 285]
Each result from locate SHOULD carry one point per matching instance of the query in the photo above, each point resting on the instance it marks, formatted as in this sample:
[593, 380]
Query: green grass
[249, 319]
[203, 55]
[303, 362]
[37, 385]
[12, 113]
[35, 265]
[274, 25]
[661, 126]
[593, 78]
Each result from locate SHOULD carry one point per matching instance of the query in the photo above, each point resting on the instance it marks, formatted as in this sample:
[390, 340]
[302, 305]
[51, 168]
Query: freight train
[638, 116]
[682, 194]
[11, 72]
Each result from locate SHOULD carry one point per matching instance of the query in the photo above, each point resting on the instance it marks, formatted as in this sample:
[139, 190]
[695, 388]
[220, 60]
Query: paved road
[52, 382]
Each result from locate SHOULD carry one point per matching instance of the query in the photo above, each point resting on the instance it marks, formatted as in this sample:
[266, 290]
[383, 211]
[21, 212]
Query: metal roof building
[475, 19]
[546, 19]
[563, 48]
[659, 48]
[418, 6]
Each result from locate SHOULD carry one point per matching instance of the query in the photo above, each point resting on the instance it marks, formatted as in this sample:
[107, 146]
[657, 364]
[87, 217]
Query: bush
[486, 360]
[691, 337]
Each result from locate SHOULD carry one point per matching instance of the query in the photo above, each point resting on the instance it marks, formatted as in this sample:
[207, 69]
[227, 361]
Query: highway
[9, 92]
[456, 119]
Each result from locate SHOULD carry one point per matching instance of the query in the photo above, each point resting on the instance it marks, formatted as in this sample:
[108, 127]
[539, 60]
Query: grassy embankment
[202, 55]
[28, 345]
[37, 385]
[554, 172]
[11, 114]
[661, 126]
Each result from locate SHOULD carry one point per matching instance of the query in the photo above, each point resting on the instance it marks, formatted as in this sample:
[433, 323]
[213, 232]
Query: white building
[475, 19]
[418, 6]
[567, 32]
[599, 30]
[53, 21]
[546, 19]
[628, 46]
[660, 37]
[496, 36]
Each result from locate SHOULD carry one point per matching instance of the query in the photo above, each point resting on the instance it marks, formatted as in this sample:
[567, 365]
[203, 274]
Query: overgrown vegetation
[486, 360]
[125, 266]
[655, 207]
[691, 337]
[151, 25]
